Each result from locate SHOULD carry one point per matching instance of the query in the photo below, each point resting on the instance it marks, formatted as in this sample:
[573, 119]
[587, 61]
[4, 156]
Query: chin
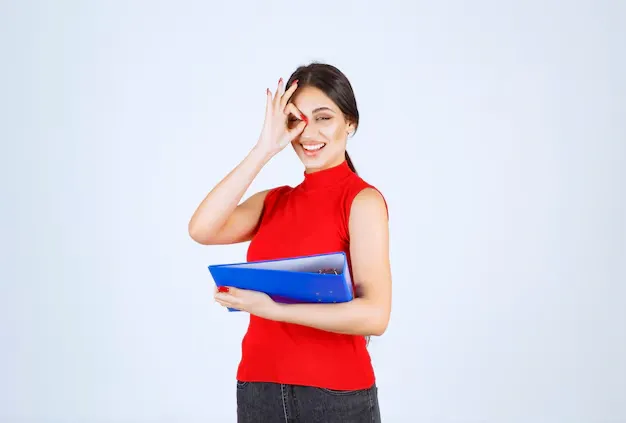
[314, 155]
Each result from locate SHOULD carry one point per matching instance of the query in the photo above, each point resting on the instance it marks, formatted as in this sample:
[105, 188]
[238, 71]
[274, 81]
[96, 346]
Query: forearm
[221, 201]
[356, 317]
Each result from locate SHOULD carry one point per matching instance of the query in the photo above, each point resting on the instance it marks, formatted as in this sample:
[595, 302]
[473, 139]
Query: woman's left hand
[254, 302]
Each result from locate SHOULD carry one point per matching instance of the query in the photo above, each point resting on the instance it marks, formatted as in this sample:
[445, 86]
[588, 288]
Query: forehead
[308, 99]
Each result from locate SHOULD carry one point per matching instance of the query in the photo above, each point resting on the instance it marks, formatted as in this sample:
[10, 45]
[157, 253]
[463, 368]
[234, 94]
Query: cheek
[333, 132]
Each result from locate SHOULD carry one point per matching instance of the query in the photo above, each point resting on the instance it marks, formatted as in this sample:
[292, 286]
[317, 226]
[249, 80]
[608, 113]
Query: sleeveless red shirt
[311, 218]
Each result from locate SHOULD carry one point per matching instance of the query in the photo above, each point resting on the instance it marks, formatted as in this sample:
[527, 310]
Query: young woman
[306, 362]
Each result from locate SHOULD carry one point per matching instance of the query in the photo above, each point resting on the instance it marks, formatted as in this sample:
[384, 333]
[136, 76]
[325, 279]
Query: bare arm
[220, 219]
[369, 313]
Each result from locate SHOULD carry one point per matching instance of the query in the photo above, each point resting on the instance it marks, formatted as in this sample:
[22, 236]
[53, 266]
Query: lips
[312, 148]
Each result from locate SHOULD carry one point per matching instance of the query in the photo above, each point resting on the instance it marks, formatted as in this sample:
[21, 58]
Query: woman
[306, 362]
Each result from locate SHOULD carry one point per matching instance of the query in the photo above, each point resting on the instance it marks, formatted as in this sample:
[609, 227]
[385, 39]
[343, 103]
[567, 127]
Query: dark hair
[332, 82]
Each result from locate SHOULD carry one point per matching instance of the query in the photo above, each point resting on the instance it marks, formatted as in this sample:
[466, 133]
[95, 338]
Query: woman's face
[322, 144]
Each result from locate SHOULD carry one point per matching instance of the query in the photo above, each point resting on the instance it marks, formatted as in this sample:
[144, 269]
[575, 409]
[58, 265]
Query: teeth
[312, 147]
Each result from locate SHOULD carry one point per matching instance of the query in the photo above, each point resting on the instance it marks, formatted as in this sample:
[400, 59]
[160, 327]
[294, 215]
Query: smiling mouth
[312, 148]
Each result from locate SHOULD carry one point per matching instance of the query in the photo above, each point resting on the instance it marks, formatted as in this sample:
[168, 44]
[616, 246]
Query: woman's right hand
[276, 133]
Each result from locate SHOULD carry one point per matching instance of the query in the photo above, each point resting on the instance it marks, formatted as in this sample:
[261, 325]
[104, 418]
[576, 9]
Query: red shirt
[311, 218]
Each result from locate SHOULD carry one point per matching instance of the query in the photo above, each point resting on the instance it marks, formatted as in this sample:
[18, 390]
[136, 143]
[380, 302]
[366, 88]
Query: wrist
[261, 154]
[278, 313]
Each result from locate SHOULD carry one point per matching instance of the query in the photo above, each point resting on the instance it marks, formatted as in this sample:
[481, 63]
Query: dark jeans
[262, 402]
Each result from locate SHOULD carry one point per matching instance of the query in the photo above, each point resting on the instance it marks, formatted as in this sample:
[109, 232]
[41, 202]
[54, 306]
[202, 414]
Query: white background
[496, 131]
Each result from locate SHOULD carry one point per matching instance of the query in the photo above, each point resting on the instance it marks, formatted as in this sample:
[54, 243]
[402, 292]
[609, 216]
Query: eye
[323, 118]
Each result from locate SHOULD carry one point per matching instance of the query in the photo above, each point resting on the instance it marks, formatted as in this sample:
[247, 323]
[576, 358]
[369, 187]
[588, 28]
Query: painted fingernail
[295, 81]
[304, 119]
[223, 289]
[280, 81]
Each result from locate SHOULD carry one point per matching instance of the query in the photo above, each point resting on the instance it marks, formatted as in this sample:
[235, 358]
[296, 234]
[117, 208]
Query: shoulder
[281, 189]
[278, 191]
[263, 196]
[369, 197]
[369, 204]
[274, 195]
[365, 197]
[368, 226]
[363, 205]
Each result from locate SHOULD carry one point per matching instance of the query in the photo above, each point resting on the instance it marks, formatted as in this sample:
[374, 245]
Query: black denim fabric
[262, 402]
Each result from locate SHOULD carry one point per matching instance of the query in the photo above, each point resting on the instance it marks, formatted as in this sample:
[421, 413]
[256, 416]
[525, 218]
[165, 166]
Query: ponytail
[352, 168]
[350, 164]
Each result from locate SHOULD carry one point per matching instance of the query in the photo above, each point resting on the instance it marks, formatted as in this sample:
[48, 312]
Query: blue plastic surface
[291, 280]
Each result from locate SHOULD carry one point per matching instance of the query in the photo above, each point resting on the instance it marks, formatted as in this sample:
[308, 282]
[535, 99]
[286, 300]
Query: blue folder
[319, 278]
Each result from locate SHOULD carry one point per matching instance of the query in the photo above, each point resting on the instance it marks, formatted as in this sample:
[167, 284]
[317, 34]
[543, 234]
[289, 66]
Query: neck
[327, 176]
[330, 165]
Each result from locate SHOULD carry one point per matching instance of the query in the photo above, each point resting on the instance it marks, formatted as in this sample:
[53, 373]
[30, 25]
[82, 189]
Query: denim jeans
[263, 402]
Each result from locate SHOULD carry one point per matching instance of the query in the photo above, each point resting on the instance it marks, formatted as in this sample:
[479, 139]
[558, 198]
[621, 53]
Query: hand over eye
[277, 133]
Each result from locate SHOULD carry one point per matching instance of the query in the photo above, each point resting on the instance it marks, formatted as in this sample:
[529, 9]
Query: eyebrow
[319, 109]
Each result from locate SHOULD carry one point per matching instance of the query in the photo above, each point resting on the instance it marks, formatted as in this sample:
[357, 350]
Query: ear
[350, 128]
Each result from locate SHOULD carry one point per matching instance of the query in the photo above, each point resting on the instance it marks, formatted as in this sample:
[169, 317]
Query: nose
[309, 131]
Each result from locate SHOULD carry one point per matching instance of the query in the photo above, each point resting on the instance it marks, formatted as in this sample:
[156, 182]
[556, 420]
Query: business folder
[318, 278]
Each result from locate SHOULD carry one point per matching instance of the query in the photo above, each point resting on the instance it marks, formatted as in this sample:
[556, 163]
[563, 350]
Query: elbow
[197, 235]
[193, 231]
[379, 329]
[378, 323]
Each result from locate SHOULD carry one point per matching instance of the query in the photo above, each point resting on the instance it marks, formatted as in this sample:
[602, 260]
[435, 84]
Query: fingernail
[304, 119]
[280, 80]
[295, 81]
[223, 289]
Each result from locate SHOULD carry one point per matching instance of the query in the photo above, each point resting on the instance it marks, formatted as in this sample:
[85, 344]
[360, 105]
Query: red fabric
[311, 218]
